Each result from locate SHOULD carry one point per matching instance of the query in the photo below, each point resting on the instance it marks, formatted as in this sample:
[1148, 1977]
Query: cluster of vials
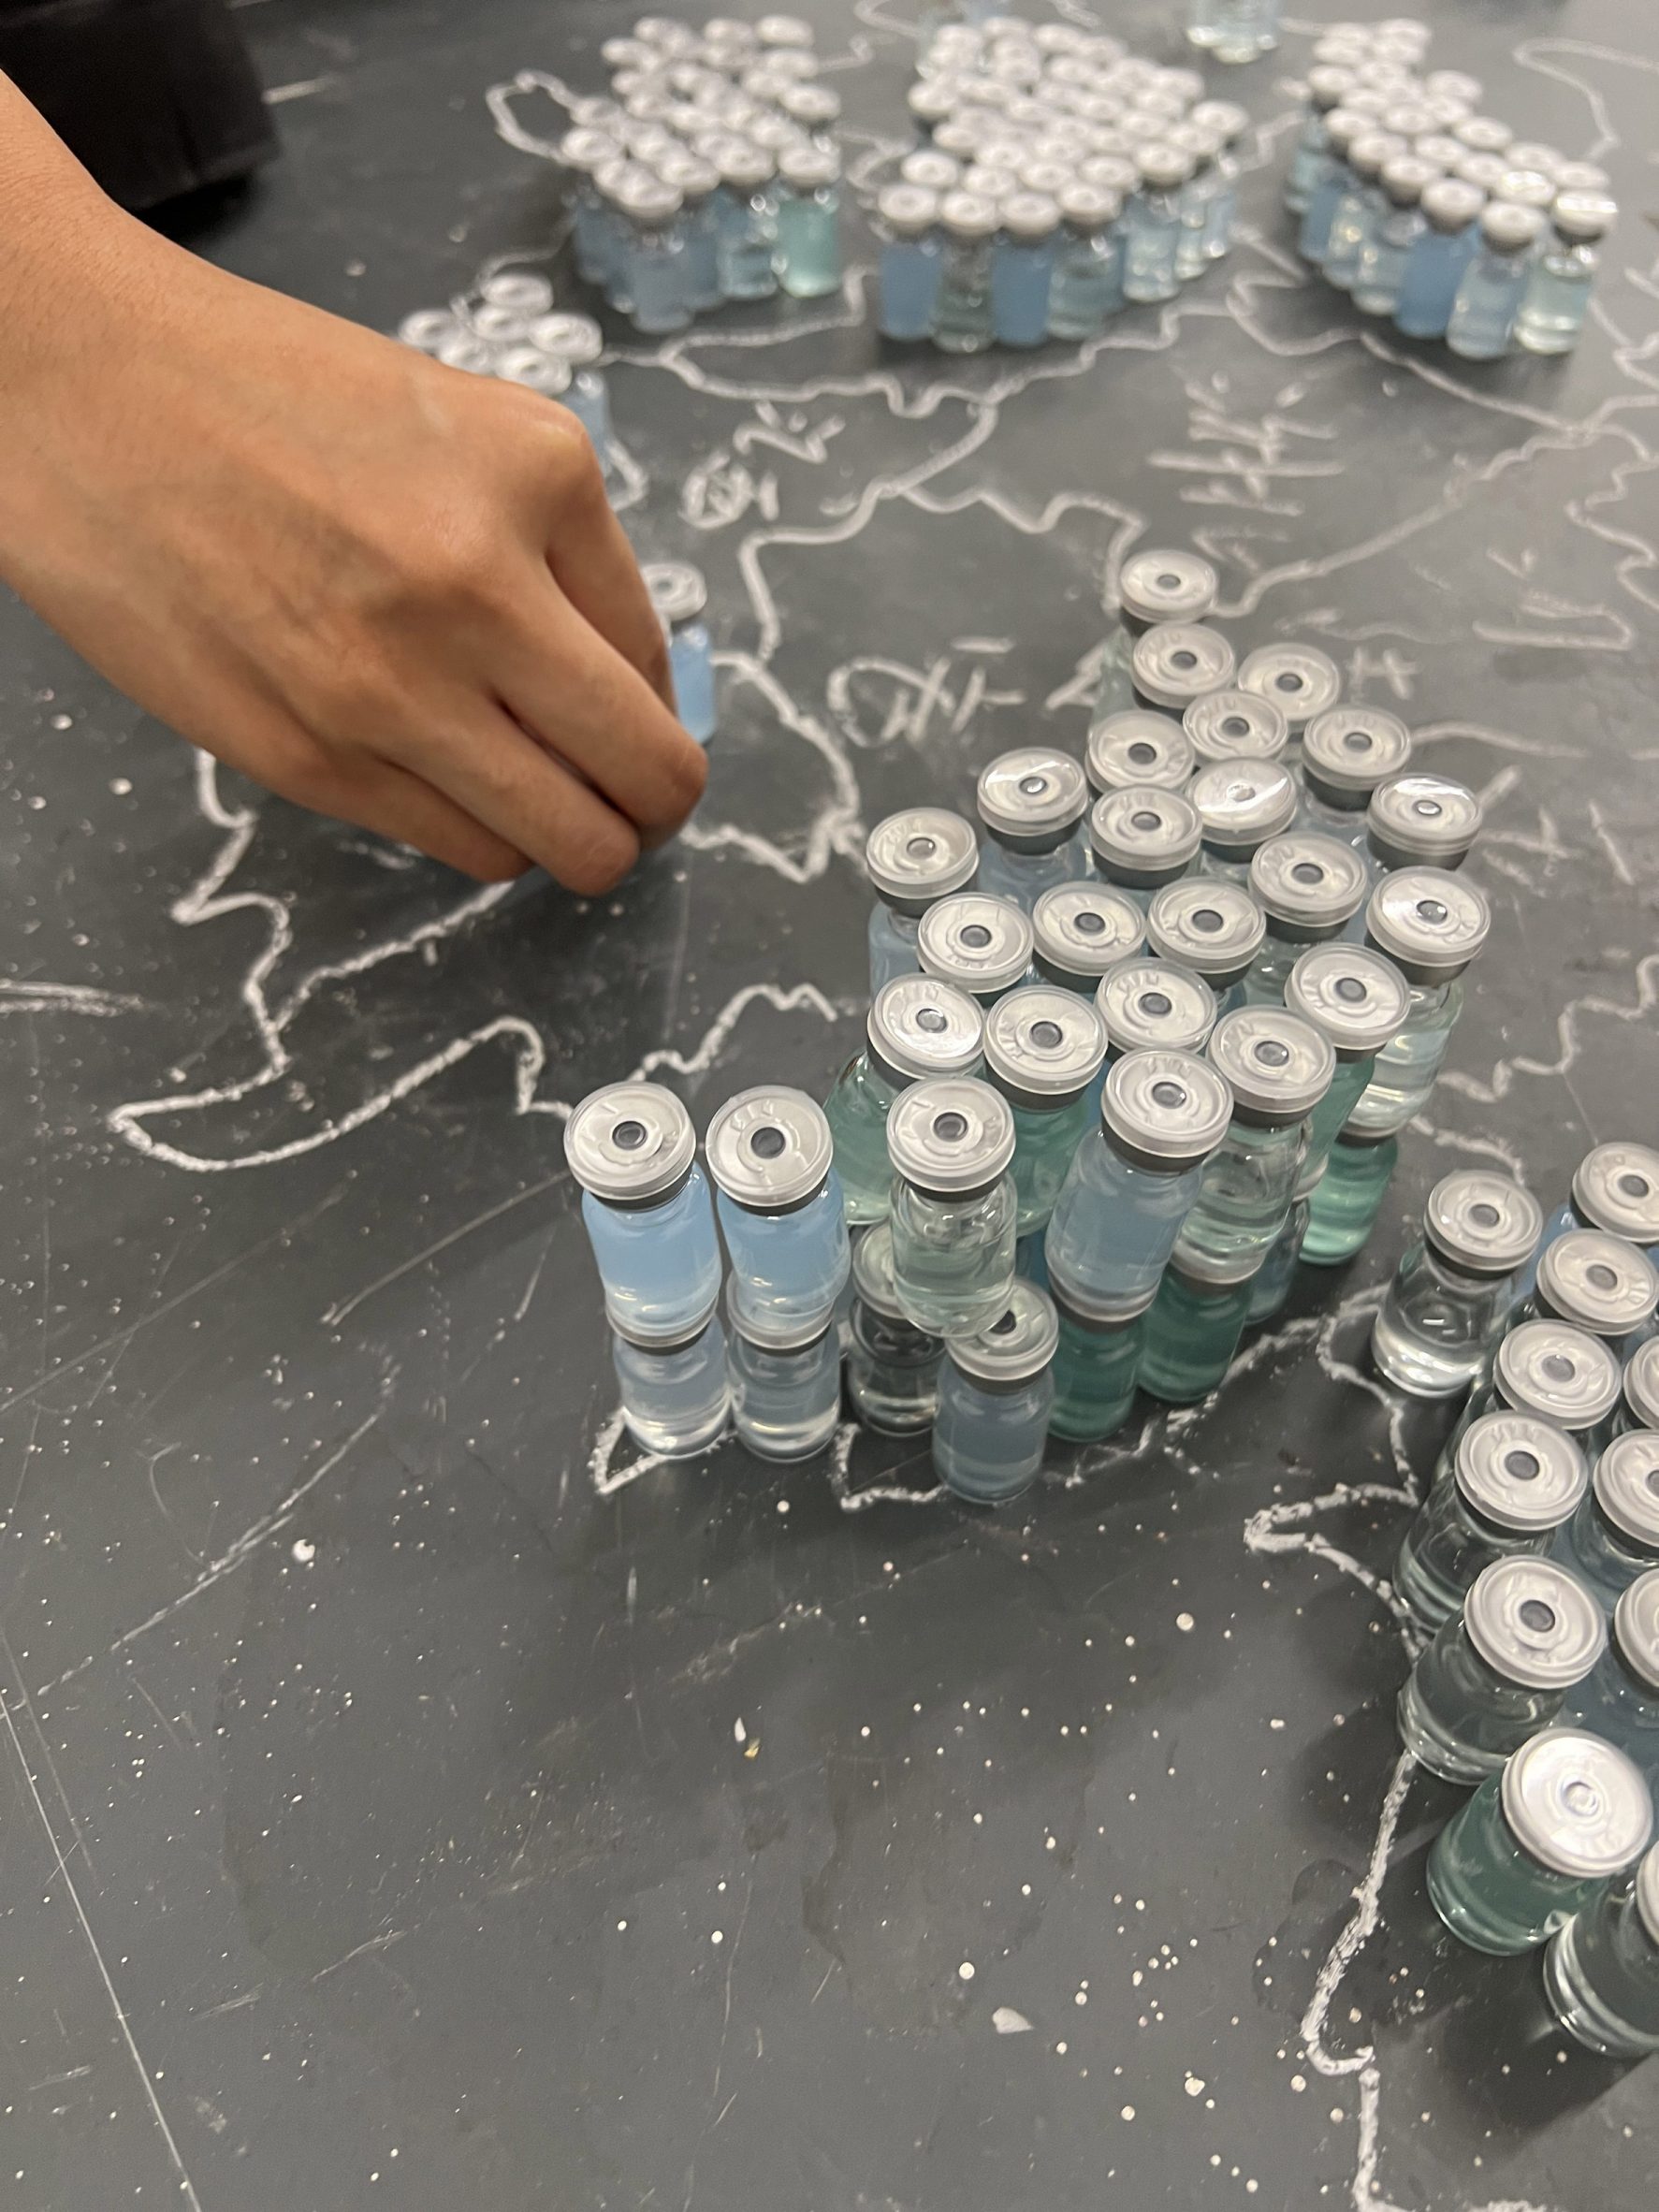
[1433, 214]
[1057, 178]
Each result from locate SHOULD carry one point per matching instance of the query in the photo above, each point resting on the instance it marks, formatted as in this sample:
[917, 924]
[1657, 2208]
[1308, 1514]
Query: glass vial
[916, 1029]
[1152, 587]
[746, 218]
[912, 249]
[780, 1209]
[653, 276]
[1081, 932]
[1154, 1006]
[1096, 1362]
[1500, 1670]
[697, 182]
[1087, 289]
[1432, 925]
[646, 1211]
[676, 1401]
[1452, 1291]
[953, 1208]
[1615, 1188]
[1613, 1538]
[1270, 1285]
[1300, 680]
[810, 222]
[1023, 269]
[1278, 1067]
[892, 1365]
[1417, 820]
[1380, 269]
[1031, 804]
[1043, 1050]
[1620, 1701]
[913, 860]
[1343, 1210]
[1638, 1404]
[1362, 208]
[1152, 222]
[1212, 927]
[1537, 1842]
[679, 596]
[1514, 1482]
[1132, 746]
[1234, 724]
[1599, 1283]
[981, 944]
[1310, 159]
[1601, 1972]
[1142, 838]
[581, 155]
[1225, 123]
[1308, 887]
[1173, 664]
[786, 1392]
[1332, 182]
[1193, 1329]
[1241, 803]
[1481, 325]
[1551, 1373]
[1134, 1179]
[961, 313]
[1358, 1000]
[1346, 752]
[1438, 256]
[996, 1393]
[1557, 295]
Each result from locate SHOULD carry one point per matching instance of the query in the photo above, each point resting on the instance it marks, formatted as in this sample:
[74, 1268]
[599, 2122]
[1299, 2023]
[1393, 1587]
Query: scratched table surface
[410, 1799]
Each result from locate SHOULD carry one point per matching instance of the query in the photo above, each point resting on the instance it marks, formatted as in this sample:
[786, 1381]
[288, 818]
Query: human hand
[389, 591]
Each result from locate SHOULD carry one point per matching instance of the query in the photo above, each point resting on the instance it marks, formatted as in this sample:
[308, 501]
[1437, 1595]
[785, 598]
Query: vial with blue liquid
[1601, 1972]
[1096, 1362]
[1141, 837]
[1438, 256]
[1432, 925]
[913, 859]
[582, 153]
[1380, 269]
[810, 222]
[1327, 83]
[680, 596]
[1308, 887]
[1614, 1537]
[646, 1210]
[1332, 182]
[1152, 222]
[1211, 927]
[1362, 208]
[1193, 1328]
[1278, 1067]
[1241, 803]
[1023, 268]
[995, 1395]
[746, 217]
[780, 1209]
[911, 251]
[578, 341]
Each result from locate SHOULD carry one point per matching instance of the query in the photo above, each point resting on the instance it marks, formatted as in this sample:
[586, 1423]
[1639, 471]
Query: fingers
[393, 804]
[593, 566]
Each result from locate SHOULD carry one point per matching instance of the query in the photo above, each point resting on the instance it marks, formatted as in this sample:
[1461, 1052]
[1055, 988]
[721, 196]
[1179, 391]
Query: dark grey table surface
[409, 1801]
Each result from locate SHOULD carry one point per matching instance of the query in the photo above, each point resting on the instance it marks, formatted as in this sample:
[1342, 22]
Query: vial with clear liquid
[1210, 927]
[911, 252]
[578, 341]
[1270, 1285]
[582, 153]
[1095, 1366]
[1515, 1483]
[1152, 222]
[1043, 1049]
[953, 1208]
[1032, 804]
[981, 944]
[1438, 256]
[1347, 753]
[1300, 680]
[1173, 664]
[913, 859]
[652, 274]
[1327, 82]
[917, 1029]
[786, 1390]
[646, 1207]
[1539, 1842]
[1193, 1328]
[1133, 746]
[1417, 820]
[781, 1209]
[1358, 1000]
[1086, 288]
[810, 222]
[1241, 803]
[1333, 180]
[1380, 270]
[1204, 147]
[1023, 268]
[746, 217]
[1153, 588]
[1308, 886]
[1432, 925]
[1154, 1006]
[1081, 931]
[1638, 1402]
[1597, 1283]
[1232, 724]
[1613, 1538]
[676, 1400]
[1614, 1188]
[961, 317]
[697, 182]
[1557, 296]
[1142, 837]
[995, 1396]
[892, 1365]
[1620, 1700]
[1134, 1179]
[1362, 208]
[1601, 1972]
[1452, 1290]
[1234, 31]
[1481, 325]
[1226, 124]
[1551, 1373]
[1528, 1634]
[680, 596]
[1278, 1067]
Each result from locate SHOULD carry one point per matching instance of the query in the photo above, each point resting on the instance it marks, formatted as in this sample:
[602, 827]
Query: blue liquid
[1192, 1336]
[1333, 180]
[660, 1264]
[1152, 233]
[1087, 284]
[1023, 876]
[787, 1269]
[1021, 276]
[785, 1405]
[746, 239]
[1115, 1226]
[1381, 269]
[1482, 320]
[691, 660]
[675, 1403]
[909, 273]
[656, 283]
[988, 1445]
[893, 945]
[1434, 270]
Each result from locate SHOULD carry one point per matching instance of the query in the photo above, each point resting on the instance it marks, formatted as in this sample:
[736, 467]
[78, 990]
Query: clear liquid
[1094, 1372]
[1264, 985]
[962, 314]
[893, 945]
[1190, 257]
[1087, 286]
[1021, 276]
[785, 1405]
[1556, 301]
[1116, 690]
[1359, 209]
[892, 1372]
[1381, 266]
[1233, 31]
[1192, 1336]
[691, 658]
[1601, 1975]
[745, 241]
[1434, 270]
[656, 280]
[1333, 182]
[1601, 1554]
[1307, 162]
[1492, 1894]
[1326, 1122]
[988, 1445]
[1343, 1211]
[954, 1258]
[1045, 1144]
[1115, 1226]
[1403, 1078]
[1614, 1703]
[1222, 211]
[700, 269]
[1270, 1285]
[591, 235]
[660, 1264]
[1482, 320]
[678, 1402]
[1437, 1324]
[909, 288]
[1246, 1193]
[787, 1269]
[809, 243]
[1446, 1549]
[1023, 876]
[856, 1111]
[1460, 1718]
[1152, 231]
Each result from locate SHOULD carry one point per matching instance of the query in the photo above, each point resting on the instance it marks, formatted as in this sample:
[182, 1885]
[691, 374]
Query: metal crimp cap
[1577, 1805]
[1535, 1623]
[1141, 831]
[1032, 793]
[1046, 1043]
[677, 591]
[1152, 1005]
[1308, 880]
[1353, 749]
[1641, 1382]
[1636, 1630]
[1483, 1221]
[1616, 1188]
[1138, 747]
[630, 1141]
[979, 943]
[1174, 662]
[1432, 924]
[769, 1148]
[1242, 803]
[1167, 588]
[1279, 1066]
[923, 1027]
[1299, 681]
[951, 1136]
[1084, 929]
[1207, 925]
[1019, 1344]
[1167, 1106]
[1558, 1373]
[1235, 724]
[1520, 1473]
[1422, 820]
[1627, 1485]
[1351, 995]
[921, 853]
[1597, 1282]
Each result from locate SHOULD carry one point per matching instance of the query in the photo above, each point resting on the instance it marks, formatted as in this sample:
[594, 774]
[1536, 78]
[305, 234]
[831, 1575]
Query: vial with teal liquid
[916, 1029]
[1515, 1483]
[1601, 1972]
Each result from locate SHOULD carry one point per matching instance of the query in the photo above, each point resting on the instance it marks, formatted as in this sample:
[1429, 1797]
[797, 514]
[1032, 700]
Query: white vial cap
[1160, 587]
[1351, 995]
[537, 372]
[1030, 216]
[1533, 153]
[1299, 681]
[951, 1135]
[1112, 172]
[919, 1026]
[1616, 1188]
[630, 1141]
[1175, 662]
[1581, 217]
[920, 854]
[1642, 1383]
[1535, 1623]
[909, 209]
[1231, 725]
[1242, 802]
[1145, 834]
[1309, 883]
[933, 171]
[1372, 151]
[1417, 818]
[1627, 1485]
[969, 216]
[1168, 1107]
[1353, 749]
[677, 591]
[1090, 207]
[1527, 188]
[1519, 1473]
[518, 290]
[1154, 1006]
[1583, 176]
[1207, 925]
[1483, 1221]
[769, 1149]
[577, 339]
[1019, 1344]
[1084, 929]
[1046, 1043]
[1599, 1283]
[1452, 203]
[1429, 923]
[1636, 1631]
[1327, 83]
[1138, 747]
[1035, 792]
[1407, 178]
[1577, 1805]
[981, 944]
[429, 327]
[1483, 133]
[809, 168]
[1508, 227]
[1279, 1066]
[1164, 167]
[1557, 1373]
